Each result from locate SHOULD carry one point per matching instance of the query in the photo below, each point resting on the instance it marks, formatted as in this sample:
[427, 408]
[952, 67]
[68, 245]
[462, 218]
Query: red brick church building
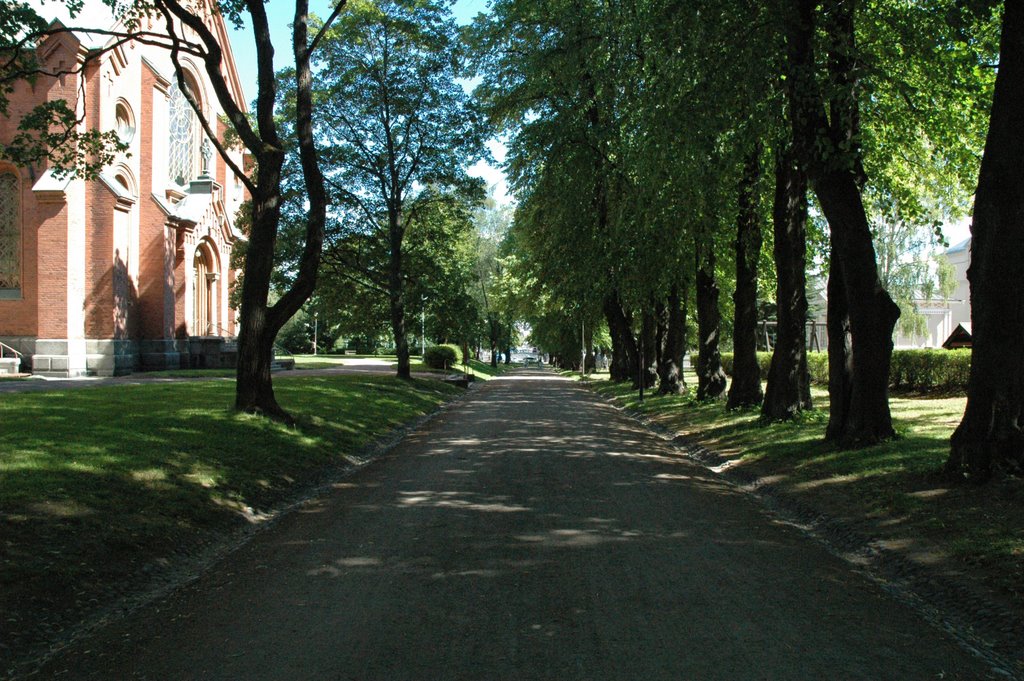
[132, 270]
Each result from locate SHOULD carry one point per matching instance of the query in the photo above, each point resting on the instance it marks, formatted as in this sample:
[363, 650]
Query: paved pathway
[532, 532]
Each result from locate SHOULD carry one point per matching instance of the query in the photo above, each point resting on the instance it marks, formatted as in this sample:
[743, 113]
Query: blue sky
[281, 13]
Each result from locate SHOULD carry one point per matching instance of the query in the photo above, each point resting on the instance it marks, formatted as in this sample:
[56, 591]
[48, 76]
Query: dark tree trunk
[670, 370]
[828, 150]
[396, 298]
[649, 338]
[495, 330]
[745, 390]
[624, 351]
[660, 332]
[840, 353]
[789, 387]
[710, 376]
[989, 437]
[254, 390]
[589, 359]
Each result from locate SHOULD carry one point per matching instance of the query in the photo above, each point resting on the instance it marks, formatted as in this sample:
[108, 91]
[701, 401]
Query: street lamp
[316, 324]
[423, 326]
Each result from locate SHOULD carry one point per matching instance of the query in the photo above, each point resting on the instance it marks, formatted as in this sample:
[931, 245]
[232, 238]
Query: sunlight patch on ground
[540, 376]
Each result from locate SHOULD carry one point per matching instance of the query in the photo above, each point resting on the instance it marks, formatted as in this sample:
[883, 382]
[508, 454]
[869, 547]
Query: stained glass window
[182, 150]
[10, 233]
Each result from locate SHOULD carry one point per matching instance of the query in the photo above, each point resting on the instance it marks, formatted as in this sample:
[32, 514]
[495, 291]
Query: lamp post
[316, 325]
[423, 326]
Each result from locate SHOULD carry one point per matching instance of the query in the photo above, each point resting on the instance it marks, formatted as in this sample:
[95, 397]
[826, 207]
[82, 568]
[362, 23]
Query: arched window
[183, 137]
[10, 233]
[124, 122]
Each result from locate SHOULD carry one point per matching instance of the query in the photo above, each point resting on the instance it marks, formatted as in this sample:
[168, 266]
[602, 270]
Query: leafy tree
[397, 131]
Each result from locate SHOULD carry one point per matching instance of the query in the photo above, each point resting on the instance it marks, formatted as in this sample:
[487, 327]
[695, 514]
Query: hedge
[442, 356]
[944, 370]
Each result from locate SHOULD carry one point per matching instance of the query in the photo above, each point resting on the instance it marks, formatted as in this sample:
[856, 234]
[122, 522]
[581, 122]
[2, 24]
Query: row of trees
[652, 143]
[647, 137]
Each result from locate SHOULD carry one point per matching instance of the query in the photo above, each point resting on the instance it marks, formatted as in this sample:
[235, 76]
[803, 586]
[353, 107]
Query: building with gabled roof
[131, 270]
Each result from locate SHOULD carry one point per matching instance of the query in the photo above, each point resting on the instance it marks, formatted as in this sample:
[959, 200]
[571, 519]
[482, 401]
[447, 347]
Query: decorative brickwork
[99, 276]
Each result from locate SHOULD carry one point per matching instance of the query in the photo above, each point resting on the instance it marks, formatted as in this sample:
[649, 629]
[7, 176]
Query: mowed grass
[893, 491]
[97, 484]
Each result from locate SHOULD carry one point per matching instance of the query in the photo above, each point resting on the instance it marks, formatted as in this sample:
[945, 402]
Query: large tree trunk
[829, 152]
[989, 436]
[745, 390]
[872, 315]
[660, 332]
[649, 338]
[495, 330]
[254, 390]
[789, 391]
[710, 376]
[670, 369]
[840, 352]
[624, 350]
[396, 299]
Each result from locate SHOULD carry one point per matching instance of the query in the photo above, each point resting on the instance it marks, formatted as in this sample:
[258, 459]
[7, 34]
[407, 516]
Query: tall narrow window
[10, 234]
[183, 149]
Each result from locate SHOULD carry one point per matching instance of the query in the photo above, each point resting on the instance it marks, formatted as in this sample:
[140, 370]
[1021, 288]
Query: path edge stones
[985, 628]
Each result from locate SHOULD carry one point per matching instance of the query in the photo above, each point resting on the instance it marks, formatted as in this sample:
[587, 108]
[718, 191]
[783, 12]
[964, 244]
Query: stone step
[10, 366]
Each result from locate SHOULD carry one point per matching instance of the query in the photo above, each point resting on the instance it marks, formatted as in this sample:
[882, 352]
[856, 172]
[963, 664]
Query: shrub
[924, 370]
[441, 356]
[817, 367]
[764, 361]
[930, 369]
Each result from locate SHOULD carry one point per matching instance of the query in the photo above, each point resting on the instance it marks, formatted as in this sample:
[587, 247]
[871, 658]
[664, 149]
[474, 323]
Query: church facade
[132, 270]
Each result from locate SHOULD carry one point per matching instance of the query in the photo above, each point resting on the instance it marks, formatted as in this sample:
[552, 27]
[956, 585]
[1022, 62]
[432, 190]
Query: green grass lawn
[893, 491]
[96, 484]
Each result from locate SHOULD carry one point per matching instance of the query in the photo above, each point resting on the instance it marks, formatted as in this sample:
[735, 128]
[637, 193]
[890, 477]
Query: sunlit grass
[96, 483]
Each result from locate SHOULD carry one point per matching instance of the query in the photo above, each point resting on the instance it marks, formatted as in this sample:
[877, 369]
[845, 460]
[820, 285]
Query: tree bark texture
[624, 350]
[710, 376]
[827, 149]
[989, 437]
[495, 330]
[649, 338]
[396, 297]
[788, 391]
[745, 389]
[670, 369]
[840, 353]
[661, 331]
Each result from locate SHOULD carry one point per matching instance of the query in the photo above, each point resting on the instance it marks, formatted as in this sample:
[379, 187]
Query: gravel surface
[531, 532]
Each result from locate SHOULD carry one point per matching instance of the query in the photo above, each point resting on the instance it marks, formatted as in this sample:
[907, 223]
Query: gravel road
[532, 532]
